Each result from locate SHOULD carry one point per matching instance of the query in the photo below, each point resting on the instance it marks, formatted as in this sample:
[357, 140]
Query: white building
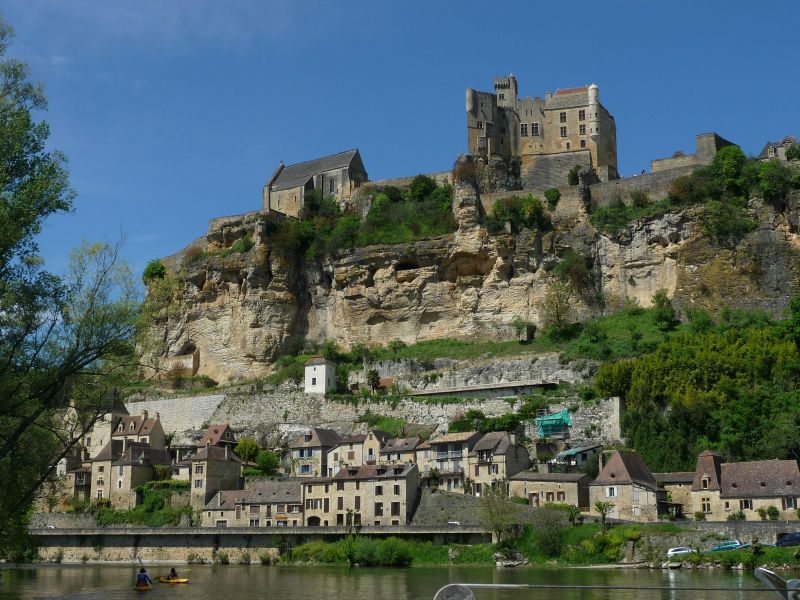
[320, 376]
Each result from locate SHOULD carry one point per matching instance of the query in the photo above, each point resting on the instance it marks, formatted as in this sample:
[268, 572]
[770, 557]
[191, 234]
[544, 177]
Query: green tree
[66, 341]
[496, 514]
[603, 509]
[572, 176]
[154, 270]
[373, 379]
[555, 308]
[267, 462]
[396, 345]
[552, 195]
[247, 449]
[774, 180]
[727, 168]
[793, 152]
[664, 314]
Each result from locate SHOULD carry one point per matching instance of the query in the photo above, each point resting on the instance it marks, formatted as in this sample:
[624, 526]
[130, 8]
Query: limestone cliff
[234, 311]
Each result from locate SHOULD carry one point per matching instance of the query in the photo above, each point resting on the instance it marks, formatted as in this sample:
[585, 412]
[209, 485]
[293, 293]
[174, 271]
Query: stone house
[269, 504]
[549, 136]
[101, 469]
[398, 451]
[213, 468]
[309, 452]
[290, 186]
[140, 428]
[132, 469]
[320, 376]
[777, 149]
[720, 488]
[78, 484]
[493, 459]
[578, 457]
[628, 484]
[446, 458]
[218, 435]
[376, 495]
[678, 487]
[544, 488]
[362, 449]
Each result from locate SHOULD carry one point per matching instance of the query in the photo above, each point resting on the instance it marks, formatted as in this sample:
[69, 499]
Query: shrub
[265, 557]
[737, 516]
[244, 559]
[762, 512]
[699, 516]
[573, 268]
[774, 180]
[267, 462]
[242, 245]
[664, 315]
[220, 557]
[639, 198]
[552, 195]
[773, 513]
[793, 152]
[393, 552]
[155, 269]
[247, 449]
[572, 176]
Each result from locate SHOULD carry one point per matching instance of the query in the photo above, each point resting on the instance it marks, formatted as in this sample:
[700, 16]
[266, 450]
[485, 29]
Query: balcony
[441, 455]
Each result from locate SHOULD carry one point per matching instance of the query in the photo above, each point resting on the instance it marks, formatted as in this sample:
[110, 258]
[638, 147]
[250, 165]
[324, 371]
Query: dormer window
[704, 483]
[120, 427]
[308, 437]
[771, 151]
[131, 426]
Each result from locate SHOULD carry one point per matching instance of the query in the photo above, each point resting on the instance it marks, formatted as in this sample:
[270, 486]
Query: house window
[477, 470]
[313, 381]
[789, 503]
[306, 469]
[198, 469]
[727, 505]
[255, 509]
[560, 496]
[583, 143]
[340, 486]
[119, 484]
[332, 186]
[340, 503]
[704, 483]
[379, 509]
[494, 469]
[255, 522]
[395, 509]
[357, 502]
[100, 469]
[562, 117]
[582, 129]
[502, 96]
[523, 130]
[771, 151]
[563, 132]
[480, 124]
[99, 494]
[397, 490]
[581, 115]
[222, 524]
[705, 505]
[121, 470]
[611, 492]
[379, 490]
[534, 128]
[198, 483]
[548, 496]
[746, 504]
[567, 145]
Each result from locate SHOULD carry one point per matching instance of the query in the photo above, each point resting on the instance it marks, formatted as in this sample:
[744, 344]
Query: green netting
[551, 425]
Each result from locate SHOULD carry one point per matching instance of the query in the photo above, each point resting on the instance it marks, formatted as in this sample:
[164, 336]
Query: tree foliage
[526, 212]
[247, 449]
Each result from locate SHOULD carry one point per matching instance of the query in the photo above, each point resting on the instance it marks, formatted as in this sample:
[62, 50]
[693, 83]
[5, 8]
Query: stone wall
[598, 421]
[655, 184]
[180, 415]
[542, 171]
[440, 177]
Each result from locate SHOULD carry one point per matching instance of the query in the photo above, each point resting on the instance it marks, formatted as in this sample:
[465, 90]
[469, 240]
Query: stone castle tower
[548, 136]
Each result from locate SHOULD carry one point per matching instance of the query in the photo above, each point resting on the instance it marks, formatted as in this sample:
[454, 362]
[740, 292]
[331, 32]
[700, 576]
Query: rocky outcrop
[237, 310]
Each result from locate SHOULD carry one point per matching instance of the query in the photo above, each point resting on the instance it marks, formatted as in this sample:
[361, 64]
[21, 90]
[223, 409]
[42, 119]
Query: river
[418, 583]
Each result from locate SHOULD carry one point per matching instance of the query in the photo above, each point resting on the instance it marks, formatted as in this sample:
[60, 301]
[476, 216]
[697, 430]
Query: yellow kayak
[143, 588]
[168, 580]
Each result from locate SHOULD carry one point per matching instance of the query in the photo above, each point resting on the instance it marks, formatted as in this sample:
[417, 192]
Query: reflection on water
[300, 583]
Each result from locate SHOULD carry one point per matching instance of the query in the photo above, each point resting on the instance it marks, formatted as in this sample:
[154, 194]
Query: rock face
[237, 310]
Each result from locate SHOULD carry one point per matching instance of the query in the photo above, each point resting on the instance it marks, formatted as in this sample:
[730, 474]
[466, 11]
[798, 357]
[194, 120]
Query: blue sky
[176, 111]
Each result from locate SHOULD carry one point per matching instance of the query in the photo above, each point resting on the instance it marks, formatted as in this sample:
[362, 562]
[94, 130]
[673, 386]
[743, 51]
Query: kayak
[177, 580]
[143, 588]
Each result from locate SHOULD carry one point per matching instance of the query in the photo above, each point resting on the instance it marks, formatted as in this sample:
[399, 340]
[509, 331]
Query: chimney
[219, 499]
[144, 415]
[547, 96]
[226, 451]
[600, 462]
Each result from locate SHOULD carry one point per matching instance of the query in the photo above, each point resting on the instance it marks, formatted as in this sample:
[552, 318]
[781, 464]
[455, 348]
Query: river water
[418, 583]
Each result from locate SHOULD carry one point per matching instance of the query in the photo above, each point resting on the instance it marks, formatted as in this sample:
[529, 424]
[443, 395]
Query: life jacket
[142, 579]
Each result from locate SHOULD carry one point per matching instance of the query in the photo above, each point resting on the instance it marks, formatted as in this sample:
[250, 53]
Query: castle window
[523, 129]
[568, 146]
[534, 128]
[705, 505]
[581, 115]
[582, 129]
[480, 124]
[583, 143]
[563, 132]
[332, 186]
[563, 117]
[502, 96]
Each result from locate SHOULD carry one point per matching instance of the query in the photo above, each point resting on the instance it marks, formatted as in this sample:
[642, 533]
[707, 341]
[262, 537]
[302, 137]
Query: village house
[266, 504]
[443, 460]
[212, 469]
[291, 186]
[493, 459]
[362, 449]
[218, 435]
[140, 428]
[627, 483]
[545, 488]
[400, 451]
[721, 488]
[678, 486]
[777, 149]
[309, 452]
[377, 495]
[320, 376]
[576, 458]
[101, 469]
[133, 468]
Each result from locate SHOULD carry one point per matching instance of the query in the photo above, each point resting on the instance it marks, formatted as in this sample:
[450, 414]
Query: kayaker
[173, 574]
[143, 579]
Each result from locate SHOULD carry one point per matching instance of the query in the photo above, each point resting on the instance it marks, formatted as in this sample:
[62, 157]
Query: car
[789, 539]
[726, 545]
[679, 551]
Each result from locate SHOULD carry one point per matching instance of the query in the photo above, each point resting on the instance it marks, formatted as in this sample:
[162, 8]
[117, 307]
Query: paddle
[152, 587]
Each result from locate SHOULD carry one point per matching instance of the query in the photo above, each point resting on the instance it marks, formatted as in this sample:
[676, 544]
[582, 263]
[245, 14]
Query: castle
[548, 136]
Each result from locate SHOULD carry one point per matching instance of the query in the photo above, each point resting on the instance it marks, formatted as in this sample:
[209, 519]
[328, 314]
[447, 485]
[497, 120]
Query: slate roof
[325, 438]
[318, 360]
[215, 453]
[708, 464]
[682, 477]
[496, 441]
[568, 98]
[143, 454]
[626, 467]
[400, 445]
[299, 173]
[141, 425]
[760, 479]
[786, 141]
[374, 472]
[216, 434]
[562, 477]
[111, 451]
